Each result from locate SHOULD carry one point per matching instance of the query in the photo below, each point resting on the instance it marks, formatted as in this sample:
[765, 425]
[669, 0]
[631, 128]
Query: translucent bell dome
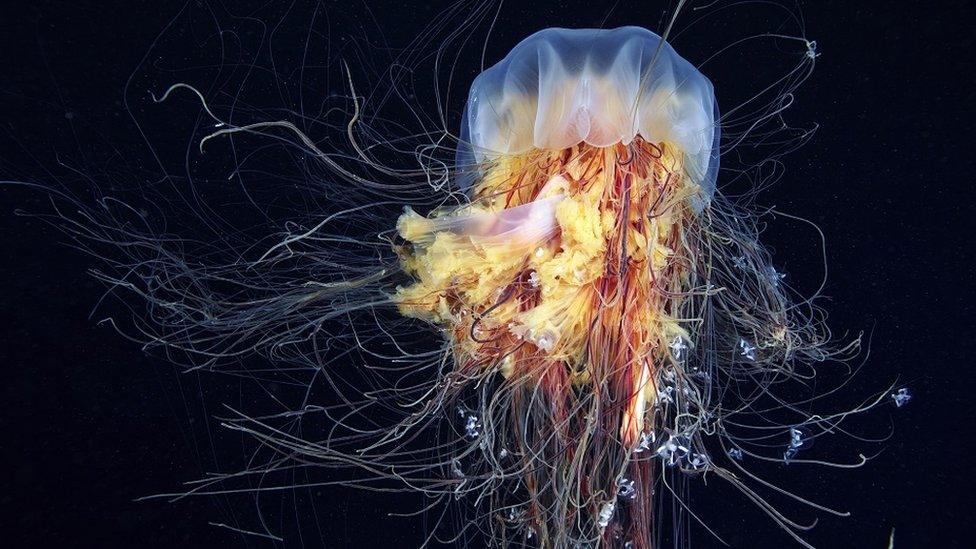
[561, 87]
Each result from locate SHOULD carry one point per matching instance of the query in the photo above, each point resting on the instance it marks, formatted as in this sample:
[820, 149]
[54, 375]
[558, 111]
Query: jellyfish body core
[568, 272]
[574, 302]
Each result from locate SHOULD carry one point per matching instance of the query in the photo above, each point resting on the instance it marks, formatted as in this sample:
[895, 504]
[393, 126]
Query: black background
[89, 423]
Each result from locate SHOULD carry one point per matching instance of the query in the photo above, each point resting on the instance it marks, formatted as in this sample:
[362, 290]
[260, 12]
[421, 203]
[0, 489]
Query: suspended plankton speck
[747, 349]
[626, 489]
[606, 514]
[901, 397]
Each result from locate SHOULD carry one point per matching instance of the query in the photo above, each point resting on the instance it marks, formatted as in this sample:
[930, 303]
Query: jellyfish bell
[562, 87]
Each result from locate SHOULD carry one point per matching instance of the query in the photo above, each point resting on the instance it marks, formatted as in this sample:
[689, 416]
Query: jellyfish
[558, 332]
[578, 274]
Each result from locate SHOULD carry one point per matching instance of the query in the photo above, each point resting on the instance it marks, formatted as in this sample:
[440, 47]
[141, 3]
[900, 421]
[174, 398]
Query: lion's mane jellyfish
[578, 275]
[592, 286]
[563, 330]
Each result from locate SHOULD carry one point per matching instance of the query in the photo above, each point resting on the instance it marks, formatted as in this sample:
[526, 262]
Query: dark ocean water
[90, 423]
